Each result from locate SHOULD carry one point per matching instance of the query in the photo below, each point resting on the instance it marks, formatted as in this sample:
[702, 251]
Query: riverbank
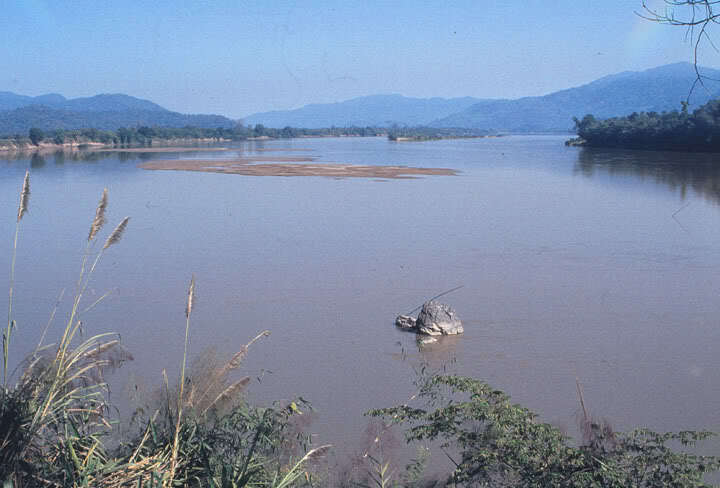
[9, 147]
[12, 148]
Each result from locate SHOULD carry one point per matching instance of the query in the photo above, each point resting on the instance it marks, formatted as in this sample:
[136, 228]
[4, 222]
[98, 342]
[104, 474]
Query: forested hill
[19, 113]
[654, 90]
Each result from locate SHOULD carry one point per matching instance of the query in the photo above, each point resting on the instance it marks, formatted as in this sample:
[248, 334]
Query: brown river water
[596, 265]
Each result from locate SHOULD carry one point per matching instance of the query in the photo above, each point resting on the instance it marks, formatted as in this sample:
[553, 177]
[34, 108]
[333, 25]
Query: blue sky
[239, 57]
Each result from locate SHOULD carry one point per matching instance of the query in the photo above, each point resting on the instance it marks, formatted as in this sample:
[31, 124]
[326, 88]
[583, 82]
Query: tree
[36, 136]
[124, 135]
[697, 16]
[59, 136]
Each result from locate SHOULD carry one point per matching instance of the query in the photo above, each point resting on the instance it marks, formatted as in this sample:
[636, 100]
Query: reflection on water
[678, 171]
[37, 161]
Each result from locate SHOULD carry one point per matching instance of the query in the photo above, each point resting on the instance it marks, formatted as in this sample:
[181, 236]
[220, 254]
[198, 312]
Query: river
[601, 266]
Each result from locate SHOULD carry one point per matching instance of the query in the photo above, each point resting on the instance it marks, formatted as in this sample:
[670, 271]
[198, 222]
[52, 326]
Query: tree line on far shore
[144, 135]
[682, 130]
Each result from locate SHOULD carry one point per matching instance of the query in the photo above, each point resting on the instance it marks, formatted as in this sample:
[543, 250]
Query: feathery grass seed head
[24, 197]
[316, 453]
[117, 233]
[99, 219]
[230, 392]
[190, 298]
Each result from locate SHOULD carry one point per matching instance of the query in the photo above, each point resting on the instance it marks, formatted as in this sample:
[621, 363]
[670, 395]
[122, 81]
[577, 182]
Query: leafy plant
[497, 443]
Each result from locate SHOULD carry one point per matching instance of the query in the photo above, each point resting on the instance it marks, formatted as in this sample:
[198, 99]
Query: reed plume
[94, 353]
[316, 453]
[238, 357]
[296, 471]
[22, 210]
[229, 392]
[116, 234]
[190, 298]
[24, 197]
[99, 219]
[219, 376]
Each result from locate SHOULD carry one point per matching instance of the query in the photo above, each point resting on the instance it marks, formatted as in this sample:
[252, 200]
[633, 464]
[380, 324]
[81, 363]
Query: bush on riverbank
[502, 444]
[676, 131]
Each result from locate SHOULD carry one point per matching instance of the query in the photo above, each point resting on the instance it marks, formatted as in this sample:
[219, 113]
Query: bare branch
[696, 16]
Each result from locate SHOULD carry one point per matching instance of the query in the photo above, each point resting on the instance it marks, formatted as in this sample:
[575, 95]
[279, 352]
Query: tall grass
[55, 416]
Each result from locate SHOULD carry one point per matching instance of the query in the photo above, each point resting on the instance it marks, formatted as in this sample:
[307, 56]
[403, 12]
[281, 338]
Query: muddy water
[598, 265]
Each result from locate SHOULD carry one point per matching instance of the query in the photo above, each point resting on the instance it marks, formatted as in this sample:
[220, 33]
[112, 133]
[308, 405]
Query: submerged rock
[405, 322]
[437, 318]
[426, 340]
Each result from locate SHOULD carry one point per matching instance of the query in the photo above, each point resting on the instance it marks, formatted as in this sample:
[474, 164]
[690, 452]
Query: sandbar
[169, 149]
[289, 166]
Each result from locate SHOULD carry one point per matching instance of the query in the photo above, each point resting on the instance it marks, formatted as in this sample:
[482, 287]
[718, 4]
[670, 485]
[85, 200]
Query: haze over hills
[658, 89]
[373, 110]
[18, 113]
[654, 90]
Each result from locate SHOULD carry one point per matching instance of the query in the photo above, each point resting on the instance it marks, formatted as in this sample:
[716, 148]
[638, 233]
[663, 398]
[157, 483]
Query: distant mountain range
[658, 89]
[18, 113]
[654, 90]
[373, 111]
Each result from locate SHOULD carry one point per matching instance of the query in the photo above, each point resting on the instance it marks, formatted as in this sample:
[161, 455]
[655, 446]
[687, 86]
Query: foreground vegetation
[676, 131]
[56, 426]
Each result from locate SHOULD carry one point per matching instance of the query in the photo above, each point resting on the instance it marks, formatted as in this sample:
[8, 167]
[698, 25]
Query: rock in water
[438, 319]
[405, 322]
[426, 340]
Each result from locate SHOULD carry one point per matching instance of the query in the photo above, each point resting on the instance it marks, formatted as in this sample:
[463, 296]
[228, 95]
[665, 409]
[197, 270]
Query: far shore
[160, 145]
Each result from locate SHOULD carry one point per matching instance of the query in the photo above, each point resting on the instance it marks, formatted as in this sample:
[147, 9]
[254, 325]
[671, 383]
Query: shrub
[502, 444]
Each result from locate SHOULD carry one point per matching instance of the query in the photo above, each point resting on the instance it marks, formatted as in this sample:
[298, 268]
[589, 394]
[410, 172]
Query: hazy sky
[239, 57]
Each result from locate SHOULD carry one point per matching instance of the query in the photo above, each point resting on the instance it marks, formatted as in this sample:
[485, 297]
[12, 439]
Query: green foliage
[684, 131]
[36, 135]
[502, 444]
[244, 446]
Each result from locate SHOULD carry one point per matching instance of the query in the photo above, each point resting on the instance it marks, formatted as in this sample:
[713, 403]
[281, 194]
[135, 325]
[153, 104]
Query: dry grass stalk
[99, 219]
[238, 357]
[296, 471]
[229, 392]
[235, 361]
[22, 209]
[117, 233]
[101, 349]
[24, 197]
[595, 433]
[218, 377]
[176, 440]
[317, 453]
